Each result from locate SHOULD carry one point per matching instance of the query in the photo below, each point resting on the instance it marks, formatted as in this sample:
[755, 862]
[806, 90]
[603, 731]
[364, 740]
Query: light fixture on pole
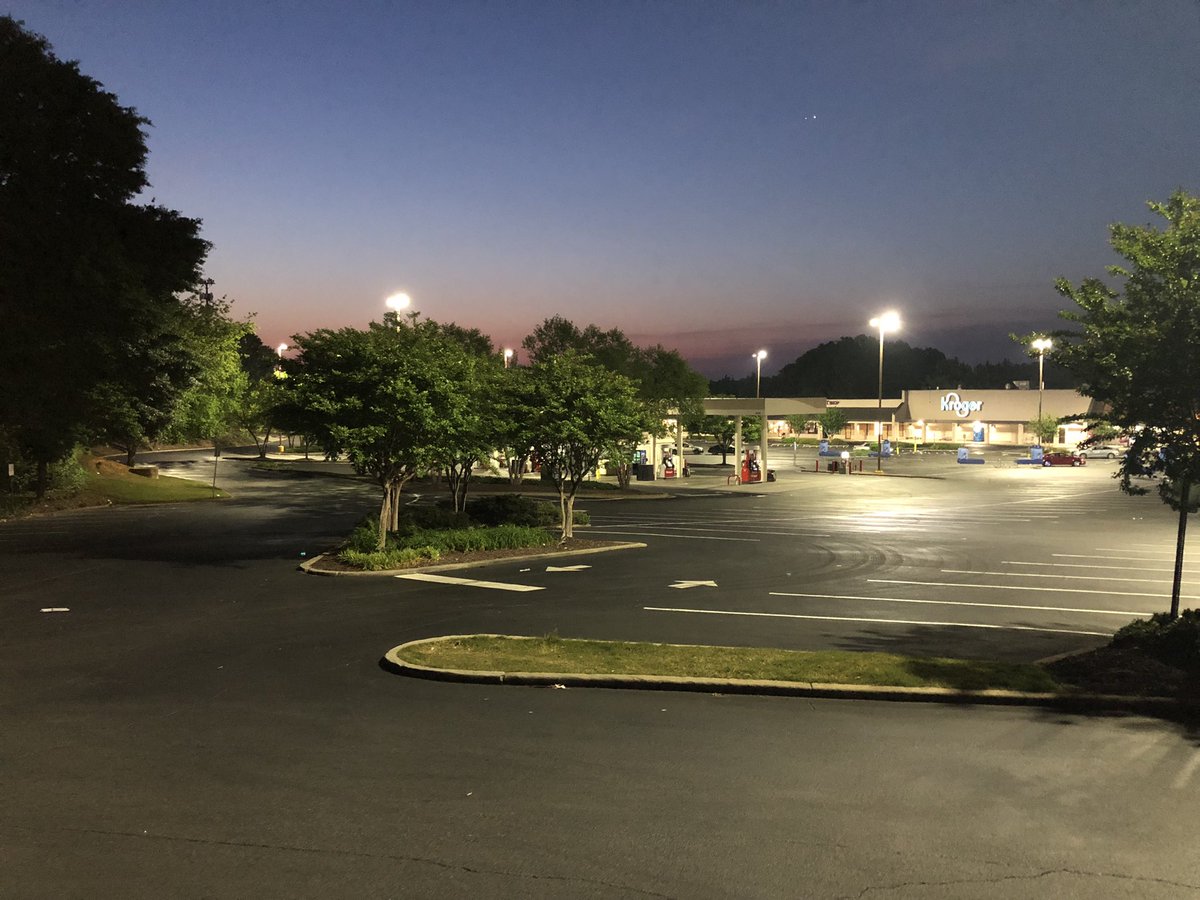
[1041, 345]
[397, 302]
[758, 358]
[278, 371]
[889, 321]
[508, 355]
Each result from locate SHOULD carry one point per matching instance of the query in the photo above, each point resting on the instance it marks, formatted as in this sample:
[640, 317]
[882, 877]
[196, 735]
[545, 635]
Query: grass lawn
[108, 483]
[125, 488]
[551, 654]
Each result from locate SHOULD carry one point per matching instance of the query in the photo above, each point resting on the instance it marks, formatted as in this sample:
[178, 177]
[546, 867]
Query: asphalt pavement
[204, 721]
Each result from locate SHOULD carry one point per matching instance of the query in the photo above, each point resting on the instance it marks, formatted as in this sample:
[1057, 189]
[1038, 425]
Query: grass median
[551, 654]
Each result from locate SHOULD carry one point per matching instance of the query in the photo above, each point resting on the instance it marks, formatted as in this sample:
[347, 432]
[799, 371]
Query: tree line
[408, 396]
[849, 367]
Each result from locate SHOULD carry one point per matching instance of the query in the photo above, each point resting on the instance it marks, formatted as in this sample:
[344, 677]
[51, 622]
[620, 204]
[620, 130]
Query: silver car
[1102, 451]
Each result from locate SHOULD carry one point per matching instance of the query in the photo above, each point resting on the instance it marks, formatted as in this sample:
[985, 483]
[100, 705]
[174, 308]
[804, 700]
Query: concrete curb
[1067, 702]
[307, 566]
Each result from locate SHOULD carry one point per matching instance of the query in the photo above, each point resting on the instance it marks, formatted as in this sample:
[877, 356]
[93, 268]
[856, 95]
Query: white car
[1102, 451]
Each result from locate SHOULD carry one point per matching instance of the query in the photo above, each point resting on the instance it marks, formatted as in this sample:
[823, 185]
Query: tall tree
[382, 396]
[207, 409]
[663, 379]
[1135, 350]
[576, 414]
[88, 278]
[471, 428]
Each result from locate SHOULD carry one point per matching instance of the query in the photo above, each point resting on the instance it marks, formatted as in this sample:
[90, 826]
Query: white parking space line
[1158, 551]
[1053, 575]
[1105, 556]
[747, 527]
[1016, 562]
[684, 537]
[1066, 609]
[730, 612]
[470, 582]
[1019, 587]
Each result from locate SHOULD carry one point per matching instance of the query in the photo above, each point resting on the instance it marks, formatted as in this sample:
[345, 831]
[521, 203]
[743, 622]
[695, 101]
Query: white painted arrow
[691, 584]
[566, 568]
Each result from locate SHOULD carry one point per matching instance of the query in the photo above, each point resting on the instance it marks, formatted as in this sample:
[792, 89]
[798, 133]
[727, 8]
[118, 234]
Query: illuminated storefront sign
[951, 402]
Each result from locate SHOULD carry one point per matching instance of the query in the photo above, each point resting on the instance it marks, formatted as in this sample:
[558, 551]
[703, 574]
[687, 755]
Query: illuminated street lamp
[280, 350]
[398, 302]
[758, 358]
[508, 355]
[889, 321]
[1041, 345]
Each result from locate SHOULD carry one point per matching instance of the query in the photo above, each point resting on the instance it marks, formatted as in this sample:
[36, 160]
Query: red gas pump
[668, 465]
[750, 470]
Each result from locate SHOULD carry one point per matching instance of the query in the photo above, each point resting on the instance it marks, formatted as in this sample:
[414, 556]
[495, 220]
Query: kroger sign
[960, 407]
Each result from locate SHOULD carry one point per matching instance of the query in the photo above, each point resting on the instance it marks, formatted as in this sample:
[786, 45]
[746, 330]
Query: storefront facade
[958, 416]
[964, 416]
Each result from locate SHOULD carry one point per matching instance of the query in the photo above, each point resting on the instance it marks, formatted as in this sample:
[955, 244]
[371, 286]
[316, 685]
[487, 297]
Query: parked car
[1063, 458]
[719, 450]
[688, 449]
[1103, 451]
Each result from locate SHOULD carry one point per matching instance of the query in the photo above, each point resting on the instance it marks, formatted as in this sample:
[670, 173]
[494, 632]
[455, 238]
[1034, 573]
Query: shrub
[1172, 641]
[501, 537]
[505, 509]
[440, 516]
[395, 558]
[365, 537]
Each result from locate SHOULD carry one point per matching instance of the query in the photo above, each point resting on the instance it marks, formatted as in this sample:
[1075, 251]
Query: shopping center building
[964, 416]
[959, 416]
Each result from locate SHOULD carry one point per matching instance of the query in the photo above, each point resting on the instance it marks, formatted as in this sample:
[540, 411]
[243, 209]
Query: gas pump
[750, 468]
[668, 465]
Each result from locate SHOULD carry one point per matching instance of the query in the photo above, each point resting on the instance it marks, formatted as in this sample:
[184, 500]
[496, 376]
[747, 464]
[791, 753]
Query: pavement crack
[361, 854]
[999, 879]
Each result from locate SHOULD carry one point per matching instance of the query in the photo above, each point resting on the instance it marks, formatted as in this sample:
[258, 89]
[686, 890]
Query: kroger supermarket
[956, 416]
[959, 416]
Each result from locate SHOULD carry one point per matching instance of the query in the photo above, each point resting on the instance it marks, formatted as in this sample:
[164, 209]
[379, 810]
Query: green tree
[258, 395]
[88, 279]
[470, 429]
[136, 402]
[207, 409]
[1134, 349]
[576, 413]
[1046, 428]
[832, 421]
[666, 385]
[382, 396]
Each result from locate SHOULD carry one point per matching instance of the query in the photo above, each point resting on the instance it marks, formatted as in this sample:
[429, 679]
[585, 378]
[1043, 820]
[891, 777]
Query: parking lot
[990, 561]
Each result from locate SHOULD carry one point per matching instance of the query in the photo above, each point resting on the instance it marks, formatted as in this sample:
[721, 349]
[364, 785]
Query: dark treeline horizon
[849, 367]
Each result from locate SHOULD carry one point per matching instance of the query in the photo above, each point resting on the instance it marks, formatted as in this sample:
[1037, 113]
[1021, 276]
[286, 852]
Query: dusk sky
[714, 176]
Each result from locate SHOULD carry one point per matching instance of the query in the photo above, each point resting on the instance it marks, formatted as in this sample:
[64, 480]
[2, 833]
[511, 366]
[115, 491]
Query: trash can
[833, 465]
[644, 472]
[770, 474]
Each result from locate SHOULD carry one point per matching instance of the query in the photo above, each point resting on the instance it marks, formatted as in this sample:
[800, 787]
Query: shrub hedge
[1175, 642]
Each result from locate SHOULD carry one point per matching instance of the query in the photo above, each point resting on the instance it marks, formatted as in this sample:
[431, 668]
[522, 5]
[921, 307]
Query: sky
[717, 177]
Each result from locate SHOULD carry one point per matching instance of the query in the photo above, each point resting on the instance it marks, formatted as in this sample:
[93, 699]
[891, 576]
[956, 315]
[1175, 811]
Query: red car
[1063, 458]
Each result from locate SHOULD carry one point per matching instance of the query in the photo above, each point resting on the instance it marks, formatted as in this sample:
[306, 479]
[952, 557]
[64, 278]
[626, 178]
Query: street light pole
[889, 321]
[1041, 345]
[758, 358]
[508, 355]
